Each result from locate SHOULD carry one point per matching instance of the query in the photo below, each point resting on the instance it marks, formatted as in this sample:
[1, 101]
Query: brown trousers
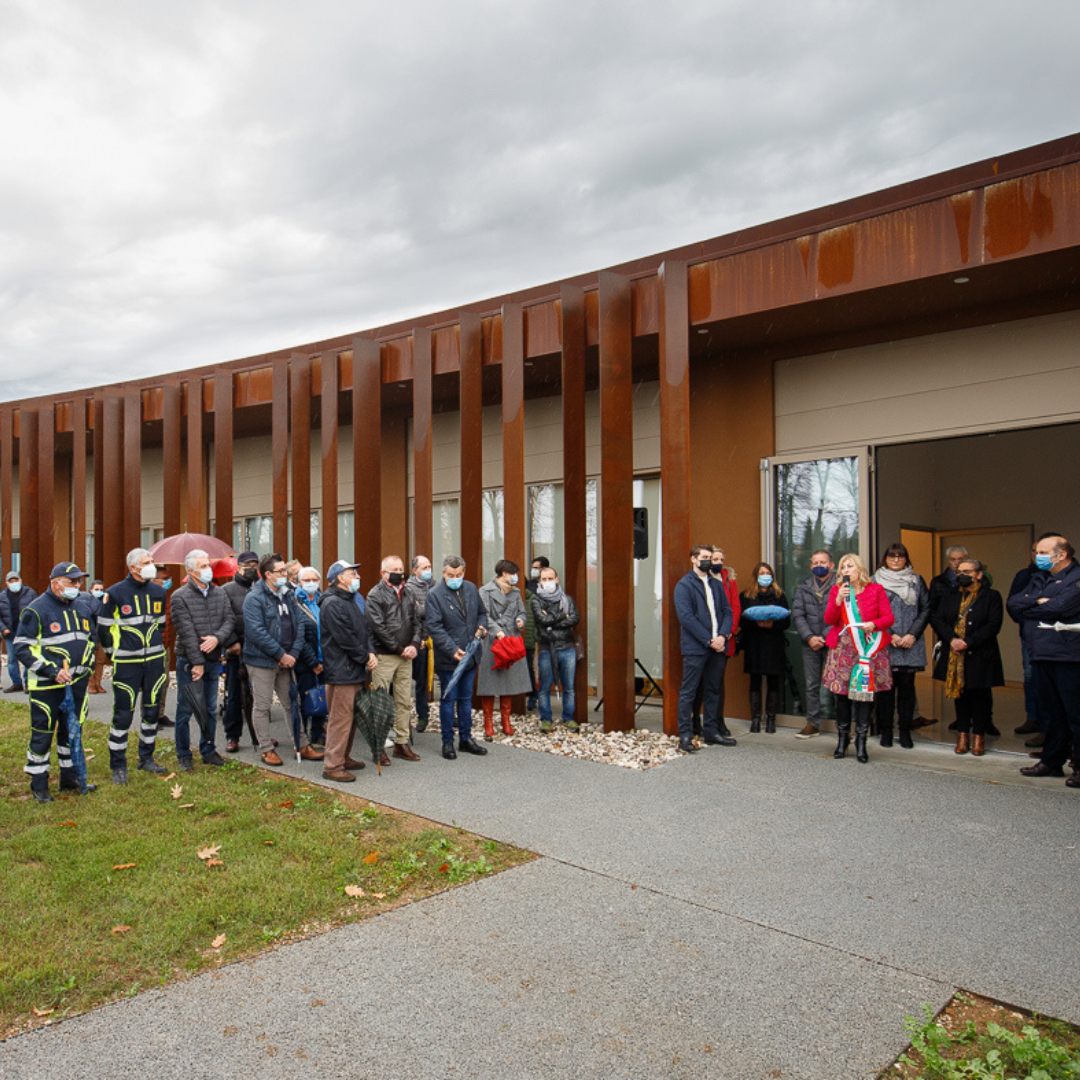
[340, 728]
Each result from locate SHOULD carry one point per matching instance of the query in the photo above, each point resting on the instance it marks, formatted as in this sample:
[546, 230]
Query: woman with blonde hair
[858, 610]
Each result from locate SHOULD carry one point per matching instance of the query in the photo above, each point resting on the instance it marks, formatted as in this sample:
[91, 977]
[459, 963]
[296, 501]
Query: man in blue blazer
[705, 619]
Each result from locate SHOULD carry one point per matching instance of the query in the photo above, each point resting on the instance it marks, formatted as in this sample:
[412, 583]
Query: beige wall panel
[153, 495]
[1026, 372]
[252, 476]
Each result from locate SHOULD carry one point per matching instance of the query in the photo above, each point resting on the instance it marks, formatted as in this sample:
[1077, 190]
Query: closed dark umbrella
[74, 731]
[193, 691]
[373, 713]
[463, 664]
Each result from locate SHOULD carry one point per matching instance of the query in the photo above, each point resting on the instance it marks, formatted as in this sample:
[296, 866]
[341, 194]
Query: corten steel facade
[707, 322]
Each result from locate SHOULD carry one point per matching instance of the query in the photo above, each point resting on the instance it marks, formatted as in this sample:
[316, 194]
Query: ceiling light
[961, 280]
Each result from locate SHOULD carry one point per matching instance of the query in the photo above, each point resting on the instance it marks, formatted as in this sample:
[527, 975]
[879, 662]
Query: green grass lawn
[82, 926]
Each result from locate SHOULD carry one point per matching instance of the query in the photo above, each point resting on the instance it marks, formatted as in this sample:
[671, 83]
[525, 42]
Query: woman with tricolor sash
[859, 613]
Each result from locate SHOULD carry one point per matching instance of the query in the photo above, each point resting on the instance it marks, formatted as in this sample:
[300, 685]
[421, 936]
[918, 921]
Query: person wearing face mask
[946, 580]
[203, 619]
[556, 620]
[539, 565]
[163, 577]
[54, 642]
[967, 623]
[95, 597]
[238, 699]
[1048, 611]
[394, 631]
[455, 616]
[762, 643]
[808, 613]
[910, 602]
[705, 622]
[1030, 726]
[292, 572]
[130, 631]
[277, 636]
[13, 600]
[417, 588]
[347, 665]
[505, 609]
[307, 674]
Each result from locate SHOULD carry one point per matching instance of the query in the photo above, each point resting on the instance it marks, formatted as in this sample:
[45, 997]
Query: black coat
[452, 620]
[762, 646]
[345, 642]
[554, 627]
[12, 606]
[982, 661]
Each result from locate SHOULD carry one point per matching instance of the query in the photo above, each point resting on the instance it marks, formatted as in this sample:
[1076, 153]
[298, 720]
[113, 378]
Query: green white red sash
[867, 645]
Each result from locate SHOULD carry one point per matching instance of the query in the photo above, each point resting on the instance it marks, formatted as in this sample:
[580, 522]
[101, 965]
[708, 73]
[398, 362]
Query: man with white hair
[130, 631]
[203, 619]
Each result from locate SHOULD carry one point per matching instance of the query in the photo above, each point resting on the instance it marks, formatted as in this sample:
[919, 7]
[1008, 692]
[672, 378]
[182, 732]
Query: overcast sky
[188, 183]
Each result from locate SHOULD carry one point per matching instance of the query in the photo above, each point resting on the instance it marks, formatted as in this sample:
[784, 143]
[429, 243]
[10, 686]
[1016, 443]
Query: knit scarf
[556, 594]
[900, 582]
[954, 674]
[867, 645]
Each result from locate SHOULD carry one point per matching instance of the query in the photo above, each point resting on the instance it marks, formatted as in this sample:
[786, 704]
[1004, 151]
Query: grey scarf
[902, 582]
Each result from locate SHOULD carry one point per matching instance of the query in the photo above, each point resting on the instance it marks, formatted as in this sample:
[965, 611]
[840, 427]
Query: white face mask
[148, 572]
[549, 586]
[206, 575]
[534, 573]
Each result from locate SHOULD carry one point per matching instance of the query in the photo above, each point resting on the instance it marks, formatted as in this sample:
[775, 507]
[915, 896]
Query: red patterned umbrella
[174, 549]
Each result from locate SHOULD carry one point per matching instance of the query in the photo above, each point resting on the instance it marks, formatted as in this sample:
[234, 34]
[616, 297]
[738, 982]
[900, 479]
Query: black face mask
[249, 573]
[964, 580]
[717, 568]
[395, 578]
[704, 565]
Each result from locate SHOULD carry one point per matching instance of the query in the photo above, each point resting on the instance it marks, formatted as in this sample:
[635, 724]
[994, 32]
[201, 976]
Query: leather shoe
[1028, 727]
[164, 722]
[310, 755]
[471, 746]
[1039, 740]
[381, 760]
[962, 744]
[271, 758]
[978, 745]
[232, 746]
[18, 690]
[214, 759]
[686, 746]
[42, 795]
[1073, 780]
[76, 788]
[1042, 769]
[719, 740]
[993, 731]
[340, 775]
[405, 752]
[448, 751]
[350, 764]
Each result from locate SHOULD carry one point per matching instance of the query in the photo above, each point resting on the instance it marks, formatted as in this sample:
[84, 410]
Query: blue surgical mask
[70, 592]
[1044, 562]
[98, 593]
[820, 571]
[513, 579]
[354, 585]
[310, 587]
[206, 575]
[15, 586]
[764, 580]
[425, 575]
[167, 583]
[454, 583]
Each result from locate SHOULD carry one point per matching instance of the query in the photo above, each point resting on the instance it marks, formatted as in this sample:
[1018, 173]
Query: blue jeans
[211, 674]
[567, 659]
[460, 696]
[13, 664]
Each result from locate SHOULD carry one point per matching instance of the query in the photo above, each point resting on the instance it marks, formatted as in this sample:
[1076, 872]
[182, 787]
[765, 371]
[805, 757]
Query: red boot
[505, 704]
[488, 704]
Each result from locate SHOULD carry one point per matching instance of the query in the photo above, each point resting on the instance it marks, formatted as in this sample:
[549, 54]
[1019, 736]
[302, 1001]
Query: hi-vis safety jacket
[51, 631]
[131, 620]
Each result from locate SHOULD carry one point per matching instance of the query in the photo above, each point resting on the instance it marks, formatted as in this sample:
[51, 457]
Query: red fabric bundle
[507, 651]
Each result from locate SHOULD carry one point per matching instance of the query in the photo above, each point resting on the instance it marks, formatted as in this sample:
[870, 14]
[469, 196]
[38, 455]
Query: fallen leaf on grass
[171, 776]
[176, 791]
[371, 859]
[379, 895]
[214, 862]
[119, 931]
[218, 942]
[285, 805]
[445, 868]
[353, 890]
[269, 843]
[66, 825]
[44, 1012]
[125, 866]
[185, 806]
[305, 788]
[209, 851]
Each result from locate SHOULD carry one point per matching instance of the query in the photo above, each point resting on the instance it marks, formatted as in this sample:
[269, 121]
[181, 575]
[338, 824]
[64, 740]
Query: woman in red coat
[858, 665]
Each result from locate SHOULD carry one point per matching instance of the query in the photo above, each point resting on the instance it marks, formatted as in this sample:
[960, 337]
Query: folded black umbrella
[193, 691]
[373, 712]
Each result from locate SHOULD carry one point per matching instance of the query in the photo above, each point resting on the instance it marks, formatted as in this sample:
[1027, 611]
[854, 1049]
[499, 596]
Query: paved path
[756, 912]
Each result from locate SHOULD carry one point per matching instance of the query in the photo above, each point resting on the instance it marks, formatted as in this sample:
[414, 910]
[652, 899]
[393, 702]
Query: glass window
[649, 585]
[346, 538]
[446, 533]
[492, 535]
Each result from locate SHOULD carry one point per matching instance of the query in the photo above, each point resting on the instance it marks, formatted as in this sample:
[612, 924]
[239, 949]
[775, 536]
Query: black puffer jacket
[393, 621]
[345, 642]
[237, 591]
[554, 627]
[12, 605]
[417, 588]
[195, 616]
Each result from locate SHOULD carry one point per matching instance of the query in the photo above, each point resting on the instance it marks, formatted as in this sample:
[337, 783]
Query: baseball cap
[247, 556]
[336, 568]
[66, 569]
[13, 574]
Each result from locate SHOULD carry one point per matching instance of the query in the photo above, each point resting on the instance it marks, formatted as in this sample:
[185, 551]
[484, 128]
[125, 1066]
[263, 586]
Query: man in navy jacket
[1052, 599]
[705, 619]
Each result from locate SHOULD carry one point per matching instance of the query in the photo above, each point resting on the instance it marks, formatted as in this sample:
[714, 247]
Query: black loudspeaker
[641, 532]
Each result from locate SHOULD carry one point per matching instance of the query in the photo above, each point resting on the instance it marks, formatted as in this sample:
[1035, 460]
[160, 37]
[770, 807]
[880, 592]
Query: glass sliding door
[807, 504]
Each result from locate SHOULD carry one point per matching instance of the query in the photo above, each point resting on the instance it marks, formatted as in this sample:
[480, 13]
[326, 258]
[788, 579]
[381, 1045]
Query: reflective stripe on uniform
[36, 769]
[38, 758]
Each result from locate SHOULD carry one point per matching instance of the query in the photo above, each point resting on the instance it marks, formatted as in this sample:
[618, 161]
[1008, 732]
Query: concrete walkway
[762, 911]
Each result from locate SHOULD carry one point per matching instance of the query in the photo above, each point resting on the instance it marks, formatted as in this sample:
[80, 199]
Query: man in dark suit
[455, 616]
[705, 619]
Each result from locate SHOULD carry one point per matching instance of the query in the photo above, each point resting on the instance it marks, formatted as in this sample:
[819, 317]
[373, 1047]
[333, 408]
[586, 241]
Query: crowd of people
[274, 627]
[863, 638]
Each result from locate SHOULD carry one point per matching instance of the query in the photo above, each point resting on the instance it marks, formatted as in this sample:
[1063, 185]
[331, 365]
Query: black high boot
[905, 737]
[771, 697]
[885, 728]
[862, 730]
[843, 738]
[755, 711]
[723, 728]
